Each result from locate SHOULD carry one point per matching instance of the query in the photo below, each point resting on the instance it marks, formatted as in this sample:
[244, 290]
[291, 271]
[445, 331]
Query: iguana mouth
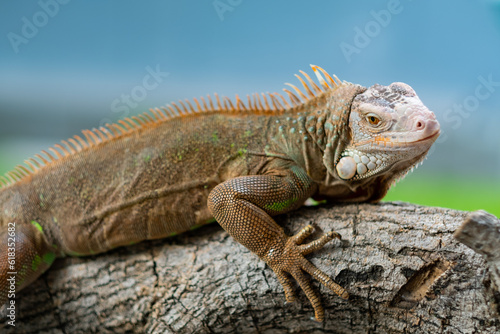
[396, 144]
[433, 137]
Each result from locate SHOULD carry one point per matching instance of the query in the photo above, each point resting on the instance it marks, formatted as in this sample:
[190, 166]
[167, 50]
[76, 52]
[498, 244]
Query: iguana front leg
[243, 207]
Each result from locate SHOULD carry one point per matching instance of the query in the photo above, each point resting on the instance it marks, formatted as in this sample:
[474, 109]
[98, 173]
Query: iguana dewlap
[170, 170]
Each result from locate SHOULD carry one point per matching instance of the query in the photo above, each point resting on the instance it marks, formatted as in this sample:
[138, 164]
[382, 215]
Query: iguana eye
[373, 120]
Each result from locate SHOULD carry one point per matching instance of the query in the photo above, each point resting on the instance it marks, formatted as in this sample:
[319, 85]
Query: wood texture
[404, 269]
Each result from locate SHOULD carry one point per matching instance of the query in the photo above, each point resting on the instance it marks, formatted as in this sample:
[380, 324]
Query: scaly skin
[159, 175]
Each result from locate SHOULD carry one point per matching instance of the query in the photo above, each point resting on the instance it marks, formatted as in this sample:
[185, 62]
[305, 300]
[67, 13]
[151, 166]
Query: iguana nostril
[431, 127]
[420, 125]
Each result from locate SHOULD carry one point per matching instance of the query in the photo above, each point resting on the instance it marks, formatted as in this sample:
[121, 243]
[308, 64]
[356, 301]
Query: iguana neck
[314, 131]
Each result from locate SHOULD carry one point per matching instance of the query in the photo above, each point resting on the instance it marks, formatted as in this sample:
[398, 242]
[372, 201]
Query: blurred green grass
[432, 189]
[449, 191]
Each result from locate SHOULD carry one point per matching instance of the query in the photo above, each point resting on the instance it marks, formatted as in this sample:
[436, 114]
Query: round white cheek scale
[346, 168]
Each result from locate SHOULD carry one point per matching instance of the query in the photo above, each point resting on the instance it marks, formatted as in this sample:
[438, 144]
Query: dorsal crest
[255, 103]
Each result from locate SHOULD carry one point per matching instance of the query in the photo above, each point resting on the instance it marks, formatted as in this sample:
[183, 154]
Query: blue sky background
[89, 53]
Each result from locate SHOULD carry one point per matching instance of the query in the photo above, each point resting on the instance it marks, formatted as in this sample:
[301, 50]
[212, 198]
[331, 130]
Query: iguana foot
[292, 261]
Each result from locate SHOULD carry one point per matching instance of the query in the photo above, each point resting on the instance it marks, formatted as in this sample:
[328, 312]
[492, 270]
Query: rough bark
[405, 271]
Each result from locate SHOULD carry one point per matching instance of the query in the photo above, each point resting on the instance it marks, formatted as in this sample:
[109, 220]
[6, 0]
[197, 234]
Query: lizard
[175, 168]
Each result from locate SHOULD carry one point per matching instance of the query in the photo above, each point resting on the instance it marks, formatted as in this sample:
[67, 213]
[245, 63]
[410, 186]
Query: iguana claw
[293, 262]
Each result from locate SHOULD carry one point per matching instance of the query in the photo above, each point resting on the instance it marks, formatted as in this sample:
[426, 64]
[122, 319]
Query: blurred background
[68, 65]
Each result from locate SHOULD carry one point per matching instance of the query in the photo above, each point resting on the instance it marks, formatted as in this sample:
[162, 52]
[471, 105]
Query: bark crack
[420, 284]
[57, 316]
[146, 316]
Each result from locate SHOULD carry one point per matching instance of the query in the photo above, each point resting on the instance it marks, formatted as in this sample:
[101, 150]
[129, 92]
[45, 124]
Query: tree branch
[403, 268]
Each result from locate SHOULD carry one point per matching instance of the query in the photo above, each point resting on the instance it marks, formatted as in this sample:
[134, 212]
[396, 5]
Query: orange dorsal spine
[259, 103]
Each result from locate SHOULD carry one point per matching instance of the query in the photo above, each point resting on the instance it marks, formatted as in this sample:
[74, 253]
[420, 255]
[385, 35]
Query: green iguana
[173, 169]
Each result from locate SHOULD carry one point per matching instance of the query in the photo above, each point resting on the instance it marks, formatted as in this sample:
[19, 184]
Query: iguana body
[152, 176]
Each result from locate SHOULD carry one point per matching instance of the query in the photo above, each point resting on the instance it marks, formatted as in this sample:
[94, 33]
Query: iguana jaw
[397, 165]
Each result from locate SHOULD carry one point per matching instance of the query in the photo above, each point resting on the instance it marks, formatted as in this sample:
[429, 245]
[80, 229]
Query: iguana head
[390, 132]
